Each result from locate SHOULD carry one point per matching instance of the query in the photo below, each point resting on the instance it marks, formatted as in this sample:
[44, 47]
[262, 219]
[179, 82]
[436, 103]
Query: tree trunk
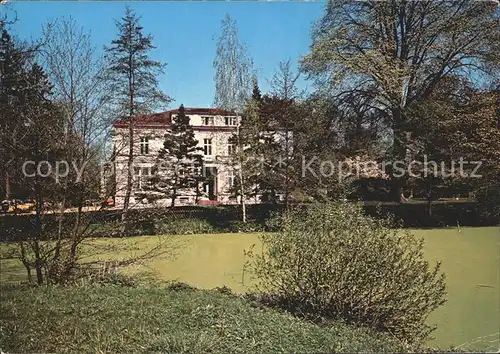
[399, 155]
[128, 191]
[174, 195]
[38, 232]
[240, 172]
[7, 185]
[287, 176]
[38, 264]
[126, 203]
[25, 261]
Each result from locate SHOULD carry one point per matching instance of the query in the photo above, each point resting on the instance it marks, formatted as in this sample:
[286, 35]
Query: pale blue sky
[185, 34]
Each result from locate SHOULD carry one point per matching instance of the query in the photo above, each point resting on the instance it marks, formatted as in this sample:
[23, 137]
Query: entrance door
[210, 185]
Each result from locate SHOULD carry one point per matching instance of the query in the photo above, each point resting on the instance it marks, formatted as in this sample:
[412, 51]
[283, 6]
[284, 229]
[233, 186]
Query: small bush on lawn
[331, 261]
[249, 226]
[173, 226]
[111, 279]
[179, 286]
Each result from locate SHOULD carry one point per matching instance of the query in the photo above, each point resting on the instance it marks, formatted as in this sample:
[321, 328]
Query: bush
[330, 261]
[98, 278]
[106, 273]
[178, 226]
[249, 226]
[179, 286]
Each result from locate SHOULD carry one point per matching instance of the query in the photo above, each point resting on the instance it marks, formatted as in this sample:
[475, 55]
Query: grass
[470, 319]
[124, 319]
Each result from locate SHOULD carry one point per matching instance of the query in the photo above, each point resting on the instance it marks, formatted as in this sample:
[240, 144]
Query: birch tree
[233, 82]
[233, 68]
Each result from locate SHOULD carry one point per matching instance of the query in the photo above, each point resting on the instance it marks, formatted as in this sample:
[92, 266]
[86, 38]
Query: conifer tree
[133, 78]
[179, 164]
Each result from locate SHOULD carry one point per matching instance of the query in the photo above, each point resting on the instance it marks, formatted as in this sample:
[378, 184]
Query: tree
[232, 66]
[282, 115]
[16, 59]
[34, 116]
[284, 82]
[484, 146]
[361, 127]
[248, 157]
[256, 94]
[133, 76]
[396, 52]
[43, 130]
[32, 130]
[465, 128]
[179, 166]
[75, 71]
[317, 138]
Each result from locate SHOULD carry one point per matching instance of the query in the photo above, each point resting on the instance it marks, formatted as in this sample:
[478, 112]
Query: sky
[185, 34]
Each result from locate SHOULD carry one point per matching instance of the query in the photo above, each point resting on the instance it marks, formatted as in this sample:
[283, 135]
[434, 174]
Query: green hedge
[220, 219]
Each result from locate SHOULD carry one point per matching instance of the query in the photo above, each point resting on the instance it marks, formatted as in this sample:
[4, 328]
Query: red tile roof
[163, 119]
[207, 111]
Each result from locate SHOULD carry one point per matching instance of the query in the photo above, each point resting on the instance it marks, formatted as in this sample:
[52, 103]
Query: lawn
[164, 320]
[470, 318]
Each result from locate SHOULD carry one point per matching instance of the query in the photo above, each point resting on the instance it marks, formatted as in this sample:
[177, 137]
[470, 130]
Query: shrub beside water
[331, 261]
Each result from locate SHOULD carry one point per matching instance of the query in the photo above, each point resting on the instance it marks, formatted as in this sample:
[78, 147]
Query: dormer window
[207, 120]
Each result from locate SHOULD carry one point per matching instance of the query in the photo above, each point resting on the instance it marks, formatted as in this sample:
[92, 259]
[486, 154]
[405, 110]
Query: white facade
[212, 128]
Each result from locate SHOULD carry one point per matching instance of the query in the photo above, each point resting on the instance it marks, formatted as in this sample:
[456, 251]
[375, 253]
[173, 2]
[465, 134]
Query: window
[141, 175]
[207, 120]
[230, 120]
[207, 147]
[137, 176]
[231, 149]
[231, 175]
[184, 200]
[144, 145]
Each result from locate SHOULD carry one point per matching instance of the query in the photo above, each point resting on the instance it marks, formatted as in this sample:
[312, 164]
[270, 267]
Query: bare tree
[284, 82]
[75, 69]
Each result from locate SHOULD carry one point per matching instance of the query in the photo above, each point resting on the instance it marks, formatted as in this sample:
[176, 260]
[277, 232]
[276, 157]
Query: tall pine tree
[179, 163]
[133, 78]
